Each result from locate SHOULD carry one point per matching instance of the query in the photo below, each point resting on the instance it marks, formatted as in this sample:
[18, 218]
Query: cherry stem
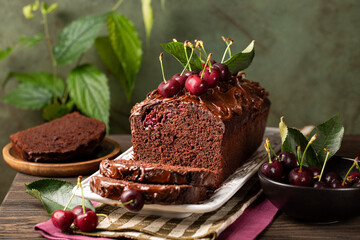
[82, 193]
[272, 150]
[298, 154]
[188, 61]
[125, 203]
[228, 44]
[162, 67]
[72, 196]
[103, 215]
[352, 166]
[207, 61]
[323, 167]
[185, 50]
[307, 146]
[268, 151]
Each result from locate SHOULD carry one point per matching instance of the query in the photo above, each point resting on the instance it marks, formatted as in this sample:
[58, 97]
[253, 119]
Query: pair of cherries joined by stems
[286, 167]
[194, 82]
[86, 219]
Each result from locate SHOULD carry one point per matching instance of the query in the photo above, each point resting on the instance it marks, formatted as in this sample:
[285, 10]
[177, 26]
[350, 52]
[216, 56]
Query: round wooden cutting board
[108, 149]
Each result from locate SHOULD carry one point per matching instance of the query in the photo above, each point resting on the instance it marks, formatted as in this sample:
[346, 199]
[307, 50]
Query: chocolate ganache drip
[226, 98]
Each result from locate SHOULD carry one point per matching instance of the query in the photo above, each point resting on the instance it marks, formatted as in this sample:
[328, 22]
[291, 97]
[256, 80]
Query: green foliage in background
[86, 88]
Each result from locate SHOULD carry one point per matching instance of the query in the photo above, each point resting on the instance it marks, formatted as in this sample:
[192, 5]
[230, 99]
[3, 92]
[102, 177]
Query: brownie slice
[217, 131]
[138, 171]
[153, 193]
[65, 138]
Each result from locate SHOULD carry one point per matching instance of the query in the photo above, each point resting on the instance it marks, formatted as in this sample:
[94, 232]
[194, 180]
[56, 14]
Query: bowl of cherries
[321, 194]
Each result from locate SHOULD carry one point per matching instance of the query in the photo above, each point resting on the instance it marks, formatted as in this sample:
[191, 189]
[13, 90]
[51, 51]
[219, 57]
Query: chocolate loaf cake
[217, 130]
[59, 140]
[138, 171]
[152, 193]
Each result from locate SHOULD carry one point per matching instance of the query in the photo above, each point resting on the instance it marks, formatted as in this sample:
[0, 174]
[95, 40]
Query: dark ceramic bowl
[320, 205]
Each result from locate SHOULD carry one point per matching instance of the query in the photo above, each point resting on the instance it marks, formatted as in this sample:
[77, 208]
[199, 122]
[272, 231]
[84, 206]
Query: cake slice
[60, 140]
[138, 171]
[166, 194]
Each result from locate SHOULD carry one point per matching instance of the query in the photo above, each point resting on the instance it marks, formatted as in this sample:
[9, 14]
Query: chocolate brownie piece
[65, 138]
[217, 131]
[138, 171]
[153, 193]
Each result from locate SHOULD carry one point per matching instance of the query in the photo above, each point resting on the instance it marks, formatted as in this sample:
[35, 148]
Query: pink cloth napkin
[250, 224]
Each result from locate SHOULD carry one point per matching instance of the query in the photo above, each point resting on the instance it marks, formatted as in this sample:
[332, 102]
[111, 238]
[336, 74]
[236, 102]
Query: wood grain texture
[19, 211]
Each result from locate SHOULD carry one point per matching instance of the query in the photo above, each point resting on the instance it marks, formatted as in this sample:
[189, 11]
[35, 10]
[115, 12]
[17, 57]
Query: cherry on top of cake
[220, 87]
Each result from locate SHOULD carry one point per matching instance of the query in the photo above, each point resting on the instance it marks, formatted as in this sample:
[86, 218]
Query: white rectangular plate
[220, 196]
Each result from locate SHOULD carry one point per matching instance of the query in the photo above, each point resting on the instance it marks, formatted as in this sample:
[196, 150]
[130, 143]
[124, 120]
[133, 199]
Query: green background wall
[307, 54]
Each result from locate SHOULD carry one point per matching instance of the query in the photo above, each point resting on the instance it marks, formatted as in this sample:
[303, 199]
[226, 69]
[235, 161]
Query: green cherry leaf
[242, 60]
[177, 50]
[88, 88]
[295, 138]
[77, 37]
[54, 194]
[329, 136]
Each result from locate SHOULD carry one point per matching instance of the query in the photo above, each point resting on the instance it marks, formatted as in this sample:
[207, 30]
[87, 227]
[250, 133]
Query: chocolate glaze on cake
[153, 193]
[59, 140]
[218, 130]
[138, 171]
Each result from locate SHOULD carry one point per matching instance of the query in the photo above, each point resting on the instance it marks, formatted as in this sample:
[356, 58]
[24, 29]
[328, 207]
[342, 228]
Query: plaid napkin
[239, 221]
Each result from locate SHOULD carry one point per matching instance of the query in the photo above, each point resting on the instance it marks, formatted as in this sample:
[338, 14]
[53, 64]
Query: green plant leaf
[127, 46]
[148, 17]
[241, 61]
[45, 9]
[5, 52]
[26, 42]
[42, 80]
[29, 96]
[177, 50]
[56, 110]
[109, 58]
[28, 9]
[77, 37]
[283, 130]
[89, 90]
[295, 138]
[54, 194]
[31, 41]
[329, 136]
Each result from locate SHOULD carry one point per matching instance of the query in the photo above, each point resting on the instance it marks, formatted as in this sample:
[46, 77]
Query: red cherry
[136, 196]
[169, 89]
[223, 70]
[195, 85]
[190, 73]
[303, 178]
[180, 79]
[212, 77]
[79, 210]
[62, 219]
[86, 222]
[273, 170]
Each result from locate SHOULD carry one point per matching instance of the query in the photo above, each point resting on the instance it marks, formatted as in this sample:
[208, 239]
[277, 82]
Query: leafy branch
[85, 88]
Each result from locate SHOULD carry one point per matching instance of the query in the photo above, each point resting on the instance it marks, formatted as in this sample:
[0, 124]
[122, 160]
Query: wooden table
[19, 211]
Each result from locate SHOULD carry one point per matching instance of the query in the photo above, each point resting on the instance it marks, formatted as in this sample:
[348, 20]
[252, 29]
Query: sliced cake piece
[153, 193]
[138, 171]
[59, 140]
